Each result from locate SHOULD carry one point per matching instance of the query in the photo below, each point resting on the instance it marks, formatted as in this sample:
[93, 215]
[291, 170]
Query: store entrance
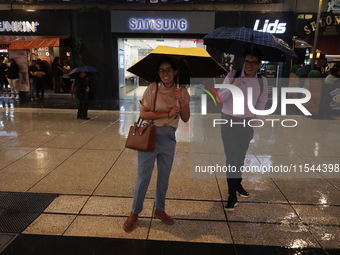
[43, 49]
[133, 49]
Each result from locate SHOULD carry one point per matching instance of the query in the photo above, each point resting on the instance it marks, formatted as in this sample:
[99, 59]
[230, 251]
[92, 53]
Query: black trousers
[39, 87]
[57, 83]
[66, 86]
[236, 139]
[83, 105]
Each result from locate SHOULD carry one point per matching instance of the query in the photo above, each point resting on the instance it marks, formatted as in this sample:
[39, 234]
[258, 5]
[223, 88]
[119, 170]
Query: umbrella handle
[177, 103]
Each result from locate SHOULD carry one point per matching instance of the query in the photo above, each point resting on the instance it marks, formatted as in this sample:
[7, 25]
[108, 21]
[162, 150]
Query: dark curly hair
[173, 64]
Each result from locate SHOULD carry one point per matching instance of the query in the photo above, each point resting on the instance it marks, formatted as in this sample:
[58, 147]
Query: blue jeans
[164, 153]
[32, 85]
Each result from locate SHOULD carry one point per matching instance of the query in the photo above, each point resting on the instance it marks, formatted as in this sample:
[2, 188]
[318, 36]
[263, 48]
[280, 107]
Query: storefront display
[141, 32]
[329, 31]
[31, 36]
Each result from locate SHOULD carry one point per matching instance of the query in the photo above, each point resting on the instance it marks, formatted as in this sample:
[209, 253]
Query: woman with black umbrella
[82, 88]
[81, 83]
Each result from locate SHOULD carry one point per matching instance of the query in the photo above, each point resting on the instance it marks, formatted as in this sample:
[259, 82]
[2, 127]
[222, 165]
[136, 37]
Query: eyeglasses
[252, 63]
[168, 70]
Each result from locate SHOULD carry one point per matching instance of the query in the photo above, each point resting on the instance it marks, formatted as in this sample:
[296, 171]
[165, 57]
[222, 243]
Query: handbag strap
[140, 120]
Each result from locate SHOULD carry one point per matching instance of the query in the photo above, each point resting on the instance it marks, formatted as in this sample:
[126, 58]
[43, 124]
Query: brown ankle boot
[164, 217]
[130, 223]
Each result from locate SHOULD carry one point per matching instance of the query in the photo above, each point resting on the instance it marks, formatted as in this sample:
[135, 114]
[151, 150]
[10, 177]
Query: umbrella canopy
[303, 71]
[237, 40]
[89, 70]
[192, 62]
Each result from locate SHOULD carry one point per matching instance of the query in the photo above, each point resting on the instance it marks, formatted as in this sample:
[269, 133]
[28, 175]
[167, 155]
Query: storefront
[280, 25]
[26, 36]
[326, 96]
[138, 33]
[328, 37]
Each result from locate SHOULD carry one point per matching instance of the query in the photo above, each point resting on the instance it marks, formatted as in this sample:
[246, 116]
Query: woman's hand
[174, 111]
[178, 95]
[87, 89]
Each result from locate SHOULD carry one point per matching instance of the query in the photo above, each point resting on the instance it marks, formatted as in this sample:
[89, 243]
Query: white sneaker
[17, 97]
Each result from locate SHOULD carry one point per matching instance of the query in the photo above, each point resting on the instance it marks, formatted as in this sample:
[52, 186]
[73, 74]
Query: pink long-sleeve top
[227, 99]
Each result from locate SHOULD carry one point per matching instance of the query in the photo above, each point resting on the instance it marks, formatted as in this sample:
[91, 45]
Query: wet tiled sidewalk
[85, 163]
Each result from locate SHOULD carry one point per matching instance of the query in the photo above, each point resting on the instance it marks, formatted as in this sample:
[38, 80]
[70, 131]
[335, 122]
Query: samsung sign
[164, 22]
[276, 27]
[158, 24]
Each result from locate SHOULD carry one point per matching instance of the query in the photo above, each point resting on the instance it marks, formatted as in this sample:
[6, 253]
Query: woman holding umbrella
[81, 83]
[166, 94]
[82, 88]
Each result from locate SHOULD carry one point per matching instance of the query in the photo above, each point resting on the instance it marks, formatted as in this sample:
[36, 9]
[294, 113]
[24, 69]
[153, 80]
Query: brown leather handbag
[142, 137]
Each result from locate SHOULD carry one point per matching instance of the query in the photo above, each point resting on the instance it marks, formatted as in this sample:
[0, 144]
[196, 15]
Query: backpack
[259, 76]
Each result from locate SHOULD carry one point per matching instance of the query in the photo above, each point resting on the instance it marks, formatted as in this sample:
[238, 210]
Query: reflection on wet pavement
[87, 165]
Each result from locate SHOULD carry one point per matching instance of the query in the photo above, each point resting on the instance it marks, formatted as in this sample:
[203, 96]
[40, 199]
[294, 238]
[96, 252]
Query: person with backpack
[236, 137]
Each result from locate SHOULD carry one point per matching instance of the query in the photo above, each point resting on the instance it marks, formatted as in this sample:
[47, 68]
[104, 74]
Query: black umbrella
[240, 39]
[192, 63]
[303, 71]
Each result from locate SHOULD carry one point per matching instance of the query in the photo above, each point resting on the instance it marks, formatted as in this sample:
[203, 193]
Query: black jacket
[13, 72]
[82, 84]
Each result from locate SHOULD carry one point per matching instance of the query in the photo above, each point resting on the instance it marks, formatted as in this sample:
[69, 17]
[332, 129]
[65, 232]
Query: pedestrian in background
[57, 71]
[47, 78]
[165, 117]
[82, 93]
[333, 76]
[13, 78]
[66, 78]
[39, 80]
[32, 77]
[3, 79]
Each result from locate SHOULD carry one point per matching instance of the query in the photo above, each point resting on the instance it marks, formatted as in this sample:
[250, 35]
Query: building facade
[112, 35]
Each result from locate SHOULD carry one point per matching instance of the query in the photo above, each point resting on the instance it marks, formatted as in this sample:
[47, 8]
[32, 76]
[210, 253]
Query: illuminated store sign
[18, 26]
[327, 21]
[158, 24]
[273, 28]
